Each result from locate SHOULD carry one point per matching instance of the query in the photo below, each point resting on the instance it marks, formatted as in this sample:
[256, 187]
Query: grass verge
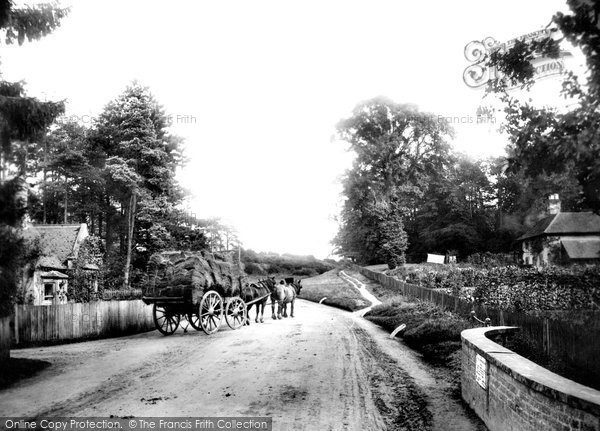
[433, 332]
[338, 293]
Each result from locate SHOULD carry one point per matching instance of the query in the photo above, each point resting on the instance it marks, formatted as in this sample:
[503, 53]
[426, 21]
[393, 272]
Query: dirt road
[325, 369]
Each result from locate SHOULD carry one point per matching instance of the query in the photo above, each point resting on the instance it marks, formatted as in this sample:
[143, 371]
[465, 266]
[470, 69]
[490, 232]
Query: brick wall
[513, 393]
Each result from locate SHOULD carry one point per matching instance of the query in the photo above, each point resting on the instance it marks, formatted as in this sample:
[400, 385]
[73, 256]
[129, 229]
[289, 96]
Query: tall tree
[456, 212]
[398, 150]
[22, 121]
[141, 158]
[545, 141]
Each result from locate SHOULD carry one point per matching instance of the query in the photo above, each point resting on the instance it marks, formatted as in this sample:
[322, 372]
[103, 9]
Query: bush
[444, 352]
[396, 311]
[530, 289]
[488, 259]
[304, 272]
[274, 269]
[253, 268]
[515, 288]
[446, 328]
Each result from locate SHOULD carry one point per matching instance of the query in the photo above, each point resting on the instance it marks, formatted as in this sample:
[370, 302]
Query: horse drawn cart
[197, 287]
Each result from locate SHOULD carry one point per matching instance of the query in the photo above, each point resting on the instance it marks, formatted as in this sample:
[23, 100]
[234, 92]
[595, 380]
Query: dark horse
[286, 292]
[260, 293]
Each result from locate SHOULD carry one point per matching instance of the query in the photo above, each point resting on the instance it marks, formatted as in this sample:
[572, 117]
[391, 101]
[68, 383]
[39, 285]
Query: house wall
[528, 255]
[509, 392]
[35, 290]
[551, 247]
[537, 254]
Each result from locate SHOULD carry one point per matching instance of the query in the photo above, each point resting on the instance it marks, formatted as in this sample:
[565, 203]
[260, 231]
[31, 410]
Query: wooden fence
[574, 340]
[47, 324]
[120, 295]
[4, 338]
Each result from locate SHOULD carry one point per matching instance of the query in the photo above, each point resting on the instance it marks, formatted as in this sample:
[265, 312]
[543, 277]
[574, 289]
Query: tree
[398, 150]
[456, 212]
[140, 162]
[66, 170]
[545, 141]
[23, 120]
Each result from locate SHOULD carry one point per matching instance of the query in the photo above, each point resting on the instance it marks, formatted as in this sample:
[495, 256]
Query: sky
[257, 87]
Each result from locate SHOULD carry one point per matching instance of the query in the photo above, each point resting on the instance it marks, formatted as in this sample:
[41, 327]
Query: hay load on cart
[199, 287]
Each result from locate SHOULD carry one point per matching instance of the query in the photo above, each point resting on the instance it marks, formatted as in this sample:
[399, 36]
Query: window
[48, 290]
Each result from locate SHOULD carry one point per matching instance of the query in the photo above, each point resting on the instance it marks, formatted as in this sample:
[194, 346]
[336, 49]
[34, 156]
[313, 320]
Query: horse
[272, 286]
[287, 293]
[256, 291]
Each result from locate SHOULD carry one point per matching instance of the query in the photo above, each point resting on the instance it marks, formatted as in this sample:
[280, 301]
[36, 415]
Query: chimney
[553, 204]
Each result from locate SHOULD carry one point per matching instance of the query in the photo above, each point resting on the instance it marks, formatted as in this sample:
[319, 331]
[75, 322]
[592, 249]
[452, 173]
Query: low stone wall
[509, 392]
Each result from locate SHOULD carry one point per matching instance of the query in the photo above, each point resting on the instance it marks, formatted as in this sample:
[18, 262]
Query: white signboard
[435, 258]
[481, 371]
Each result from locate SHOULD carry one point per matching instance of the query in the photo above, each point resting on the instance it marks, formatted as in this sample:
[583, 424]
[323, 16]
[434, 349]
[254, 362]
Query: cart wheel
[236, 312]
[164, 320]
[211, 311]
[194, 320]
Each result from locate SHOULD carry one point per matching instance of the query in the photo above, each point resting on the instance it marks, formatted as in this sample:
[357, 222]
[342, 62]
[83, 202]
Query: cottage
[562, 238]
[47, 282]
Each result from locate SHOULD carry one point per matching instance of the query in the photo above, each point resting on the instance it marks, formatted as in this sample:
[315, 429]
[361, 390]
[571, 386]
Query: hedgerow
[516, 288]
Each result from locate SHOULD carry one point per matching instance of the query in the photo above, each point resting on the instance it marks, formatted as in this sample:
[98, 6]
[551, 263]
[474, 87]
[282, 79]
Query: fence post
[16, 324]
[546, 336]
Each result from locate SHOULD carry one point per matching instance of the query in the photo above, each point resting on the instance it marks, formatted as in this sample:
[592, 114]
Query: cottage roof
[53, 274]
[57, 243]
[50, 262]
[565, 223]
[582, 248]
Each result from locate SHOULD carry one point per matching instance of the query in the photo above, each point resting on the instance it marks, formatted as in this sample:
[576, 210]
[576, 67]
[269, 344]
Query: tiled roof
[565, 223]
[56, 241]
[582, 248]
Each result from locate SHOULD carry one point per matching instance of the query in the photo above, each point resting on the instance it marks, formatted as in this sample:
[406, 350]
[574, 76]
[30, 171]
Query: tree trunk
[109, 229]
[66, 214]
[44, 192]
[130, 226]
[45, 189]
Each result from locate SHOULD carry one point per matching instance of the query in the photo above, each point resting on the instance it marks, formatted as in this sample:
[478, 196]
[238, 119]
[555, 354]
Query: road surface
[325, 369]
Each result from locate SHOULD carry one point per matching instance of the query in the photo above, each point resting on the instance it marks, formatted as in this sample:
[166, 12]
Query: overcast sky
[256, 88]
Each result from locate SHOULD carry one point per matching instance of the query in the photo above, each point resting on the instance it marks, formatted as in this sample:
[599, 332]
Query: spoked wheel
[194, 320]
[236, 312]
[211, 311]
[164, 320]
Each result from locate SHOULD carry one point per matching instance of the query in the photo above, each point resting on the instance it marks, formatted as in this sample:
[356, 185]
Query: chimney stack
[553, 204]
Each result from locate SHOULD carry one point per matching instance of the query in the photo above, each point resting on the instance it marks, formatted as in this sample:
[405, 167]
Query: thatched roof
[57, 242]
